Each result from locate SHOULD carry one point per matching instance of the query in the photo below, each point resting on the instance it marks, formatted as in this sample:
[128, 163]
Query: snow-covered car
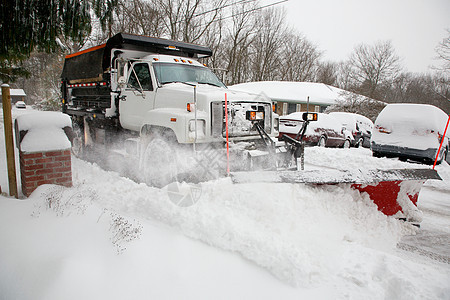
[410, 131]
[20, 104]
[360, 127]
[327, 131]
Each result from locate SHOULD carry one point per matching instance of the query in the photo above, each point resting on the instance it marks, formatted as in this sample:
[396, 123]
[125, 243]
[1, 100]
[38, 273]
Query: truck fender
[177, 120]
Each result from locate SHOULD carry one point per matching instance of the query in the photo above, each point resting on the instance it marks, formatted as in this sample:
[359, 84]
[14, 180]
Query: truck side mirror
[307, 116]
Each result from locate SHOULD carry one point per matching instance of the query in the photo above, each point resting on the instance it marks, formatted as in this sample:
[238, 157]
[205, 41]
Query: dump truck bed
[92, 65]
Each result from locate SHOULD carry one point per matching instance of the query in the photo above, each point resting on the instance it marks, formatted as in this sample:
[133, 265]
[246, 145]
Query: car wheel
[442, 157]
[346, 144]
[322, 141]
[446, 157]
[359, 143]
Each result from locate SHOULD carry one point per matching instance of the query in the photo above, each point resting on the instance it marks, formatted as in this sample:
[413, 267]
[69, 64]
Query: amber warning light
[255, 115]
[309, 116]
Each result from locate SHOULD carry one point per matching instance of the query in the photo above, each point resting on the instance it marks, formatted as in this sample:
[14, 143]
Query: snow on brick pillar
[44, 145]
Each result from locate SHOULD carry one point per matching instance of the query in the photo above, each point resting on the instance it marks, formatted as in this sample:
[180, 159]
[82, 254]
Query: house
[290, 97]
[16, 95]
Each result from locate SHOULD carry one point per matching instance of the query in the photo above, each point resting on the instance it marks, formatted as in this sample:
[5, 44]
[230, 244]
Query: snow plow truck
[152, 102]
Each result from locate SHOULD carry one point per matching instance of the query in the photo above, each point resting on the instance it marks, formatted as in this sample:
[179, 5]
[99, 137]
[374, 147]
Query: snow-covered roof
[15, 92]
[295, 92]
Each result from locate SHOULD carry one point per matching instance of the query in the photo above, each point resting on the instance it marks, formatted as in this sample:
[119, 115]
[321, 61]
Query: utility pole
[9, 142]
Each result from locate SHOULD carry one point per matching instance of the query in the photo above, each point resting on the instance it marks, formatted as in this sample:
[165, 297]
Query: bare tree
[299, 58]
[443, 53]
[139, 17]
[239, 35]
[271, 33]
[420, 88]
[373, 67]
[43, 84]
[343, 77]
[188, 20]
[359, 104]
[327, 72]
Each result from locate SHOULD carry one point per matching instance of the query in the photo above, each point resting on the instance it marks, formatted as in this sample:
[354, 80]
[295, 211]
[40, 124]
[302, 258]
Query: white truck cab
[134, 86]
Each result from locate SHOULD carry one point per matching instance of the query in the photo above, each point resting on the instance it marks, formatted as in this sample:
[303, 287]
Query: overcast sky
[415, 27]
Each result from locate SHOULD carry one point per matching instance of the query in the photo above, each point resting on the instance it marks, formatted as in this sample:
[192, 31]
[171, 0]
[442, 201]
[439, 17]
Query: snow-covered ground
[109, 237]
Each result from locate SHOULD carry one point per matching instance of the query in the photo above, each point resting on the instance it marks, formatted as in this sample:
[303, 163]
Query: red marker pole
[226, 133]
[442, 141]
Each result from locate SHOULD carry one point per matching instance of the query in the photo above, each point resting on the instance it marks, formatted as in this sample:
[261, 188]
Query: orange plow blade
[395, 192]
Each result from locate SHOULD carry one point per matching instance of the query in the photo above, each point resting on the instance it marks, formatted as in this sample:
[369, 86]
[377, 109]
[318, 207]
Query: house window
[292, 107]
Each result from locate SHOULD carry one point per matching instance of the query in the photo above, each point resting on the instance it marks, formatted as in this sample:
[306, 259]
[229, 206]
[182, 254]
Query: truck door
[137, 97]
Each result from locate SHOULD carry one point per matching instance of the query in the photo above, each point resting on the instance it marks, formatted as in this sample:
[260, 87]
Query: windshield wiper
[210, 83]
[167, 82]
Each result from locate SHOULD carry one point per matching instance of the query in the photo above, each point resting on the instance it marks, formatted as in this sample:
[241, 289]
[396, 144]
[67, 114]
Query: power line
[237, 14]
[251, 10]
[224, 6]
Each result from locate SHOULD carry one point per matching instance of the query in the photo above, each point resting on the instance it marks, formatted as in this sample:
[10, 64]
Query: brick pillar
[51, 167]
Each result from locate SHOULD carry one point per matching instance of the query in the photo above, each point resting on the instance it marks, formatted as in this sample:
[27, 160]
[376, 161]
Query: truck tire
[78, 140]
[159, 163]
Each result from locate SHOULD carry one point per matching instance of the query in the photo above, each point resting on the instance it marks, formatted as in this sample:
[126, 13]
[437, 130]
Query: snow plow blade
[393, 191]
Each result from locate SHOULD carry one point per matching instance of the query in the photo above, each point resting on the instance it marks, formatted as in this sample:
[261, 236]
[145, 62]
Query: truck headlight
[255, 115]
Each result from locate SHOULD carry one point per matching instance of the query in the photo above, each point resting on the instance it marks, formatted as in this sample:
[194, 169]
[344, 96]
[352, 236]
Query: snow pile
[44, 131]
[351, 159]
[328, 243]
[414, 126]
[296, 232]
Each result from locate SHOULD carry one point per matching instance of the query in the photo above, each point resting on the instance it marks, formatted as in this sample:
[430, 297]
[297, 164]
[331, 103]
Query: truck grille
[239, 123]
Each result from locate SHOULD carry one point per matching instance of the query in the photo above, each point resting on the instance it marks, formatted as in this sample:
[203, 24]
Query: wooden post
[9, 141]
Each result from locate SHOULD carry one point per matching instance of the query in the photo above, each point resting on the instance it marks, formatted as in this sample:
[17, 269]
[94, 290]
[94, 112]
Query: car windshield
[169, 72]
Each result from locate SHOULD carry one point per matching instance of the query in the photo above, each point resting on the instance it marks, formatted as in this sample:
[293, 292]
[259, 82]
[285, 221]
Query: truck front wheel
[159, 163]
[78, 140]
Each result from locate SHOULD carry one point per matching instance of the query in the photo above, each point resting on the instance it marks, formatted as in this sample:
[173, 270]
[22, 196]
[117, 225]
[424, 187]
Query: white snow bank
[296, 232]
[328, 243]
[45, 131]
[352, 159]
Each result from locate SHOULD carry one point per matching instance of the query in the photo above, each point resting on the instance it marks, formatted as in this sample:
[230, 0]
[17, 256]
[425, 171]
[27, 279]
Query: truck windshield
[169, 72]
